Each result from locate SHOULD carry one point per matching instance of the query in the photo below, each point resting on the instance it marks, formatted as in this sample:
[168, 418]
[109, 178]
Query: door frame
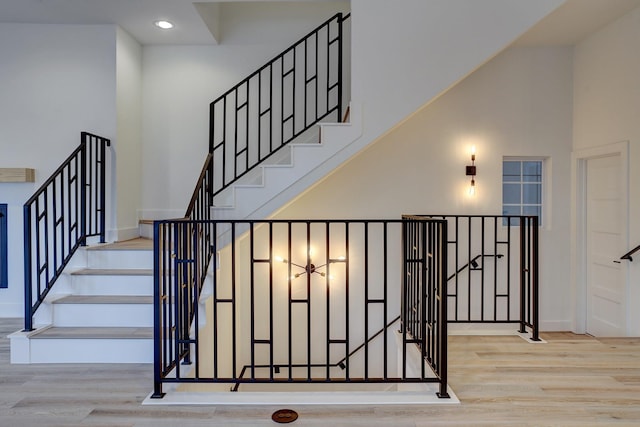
[579, 231]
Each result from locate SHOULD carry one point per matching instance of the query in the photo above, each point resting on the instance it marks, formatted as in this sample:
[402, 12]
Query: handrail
[339, 364]
[631, 252]
[276, 104]
[68, 208]
[200, 203]
[473, 264]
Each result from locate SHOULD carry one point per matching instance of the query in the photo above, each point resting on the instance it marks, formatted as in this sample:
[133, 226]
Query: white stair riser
[91, 350]
[309, 162]
[104, 259]
[146, 230]
[103, 315]
[111, 285]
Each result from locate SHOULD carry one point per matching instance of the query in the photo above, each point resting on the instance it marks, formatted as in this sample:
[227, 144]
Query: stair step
[111, 281]
[103, 311]
[137, 244]
[94, 333]
[104, 299]
[84, 345]
[134, 254]
[113, 272]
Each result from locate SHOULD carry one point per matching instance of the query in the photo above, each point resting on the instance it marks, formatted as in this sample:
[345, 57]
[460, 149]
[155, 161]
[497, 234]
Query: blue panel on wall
[4, 279]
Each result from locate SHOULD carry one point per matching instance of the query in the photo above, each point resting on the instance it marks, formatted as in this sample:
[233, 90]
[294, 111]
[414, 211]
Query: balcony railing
[500, 282]
[301, 302]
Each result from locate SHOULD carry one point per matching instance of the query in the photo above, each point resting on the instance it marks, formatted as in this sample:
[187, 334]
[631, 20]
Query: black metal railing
[500, 282]
[339, 364]
[424, 294]
[628, 255]
[306, 301]
[68, 208]
[473, 264]
[277, 103]
[201, 201]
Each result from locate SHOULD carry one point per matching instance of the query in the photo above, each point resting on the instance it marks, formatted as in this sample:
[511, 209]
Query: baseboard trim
[11, 310]
[121, 234]
[556, 325]
[157, 214]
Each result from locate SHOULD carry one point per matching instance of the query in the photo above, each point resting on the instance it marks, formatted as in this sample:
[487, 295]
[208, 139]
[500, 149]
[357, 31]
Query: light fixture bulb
[472, 188]
[165, 25]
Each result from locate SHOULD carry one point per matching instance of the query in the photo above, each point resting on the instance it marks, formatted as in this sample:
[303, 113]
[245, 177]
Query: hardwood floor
[572, 380]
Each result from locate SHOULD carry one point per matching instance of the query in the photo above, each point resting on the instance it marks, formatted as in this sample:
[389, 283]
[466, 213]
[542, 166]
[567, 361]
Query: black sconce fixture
[471, 171]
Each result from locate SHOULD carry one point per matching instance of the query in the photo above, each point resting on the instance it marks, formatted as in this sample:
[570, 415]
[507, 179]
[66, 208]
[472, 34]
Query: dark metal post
[404, 294]
[157, 336]
[186, 262]
[442, 310]
[83, 190]
[523, 275]
[534, 285]
[425, 286]
[28, 315]
[104, 143]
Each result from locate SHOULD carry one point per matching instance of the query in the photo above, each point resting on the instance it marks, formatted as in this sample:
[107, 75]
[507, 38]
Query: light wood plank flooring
[501, 381]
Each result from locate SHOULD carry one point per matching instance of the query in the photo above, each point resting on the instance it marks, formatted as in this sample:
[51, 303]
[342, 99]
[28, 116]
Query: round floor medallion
[284, 416]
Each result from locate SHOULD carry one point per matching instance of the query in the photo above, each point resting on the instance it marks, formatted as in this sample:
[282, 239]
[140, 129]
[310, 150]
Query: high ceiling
[202, 22]
[574, 20]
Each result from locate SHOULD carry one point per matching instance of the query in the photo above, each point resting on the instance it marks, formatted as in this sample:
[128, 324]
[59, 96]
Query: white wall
[407, 52]
[128, 153]
[519, 103]
[55, 81]
[607, 110]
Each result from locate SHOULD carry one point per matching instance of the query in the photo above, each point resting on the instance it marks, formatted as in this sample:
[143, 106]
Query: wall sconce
[471, 171]
[310, 268]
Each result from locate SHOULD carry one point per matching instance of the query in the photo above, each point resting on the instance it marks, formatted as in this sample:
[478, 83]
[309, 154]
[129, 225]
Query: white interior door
[605, 236]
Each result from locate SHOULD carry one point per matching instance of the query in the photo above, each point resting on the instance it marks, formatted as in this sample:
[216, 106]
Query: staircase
[101, 308]
[294, 169]
[101, 312]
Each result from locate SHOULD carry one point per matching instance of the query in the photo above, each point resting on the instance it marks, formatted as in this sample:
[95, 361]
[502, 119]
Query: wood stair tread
[138, 244]
[104, 299]
[113, 272]
[57, 332]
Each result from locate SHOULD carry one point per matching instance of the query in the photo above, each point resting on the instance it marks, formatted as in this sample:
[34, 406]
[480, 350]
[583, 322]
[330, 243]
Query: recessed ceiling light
[165, 25]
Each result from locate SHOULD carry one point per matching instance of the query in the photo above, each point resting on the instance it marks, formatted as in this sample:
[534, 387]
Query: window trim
[545, 217]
